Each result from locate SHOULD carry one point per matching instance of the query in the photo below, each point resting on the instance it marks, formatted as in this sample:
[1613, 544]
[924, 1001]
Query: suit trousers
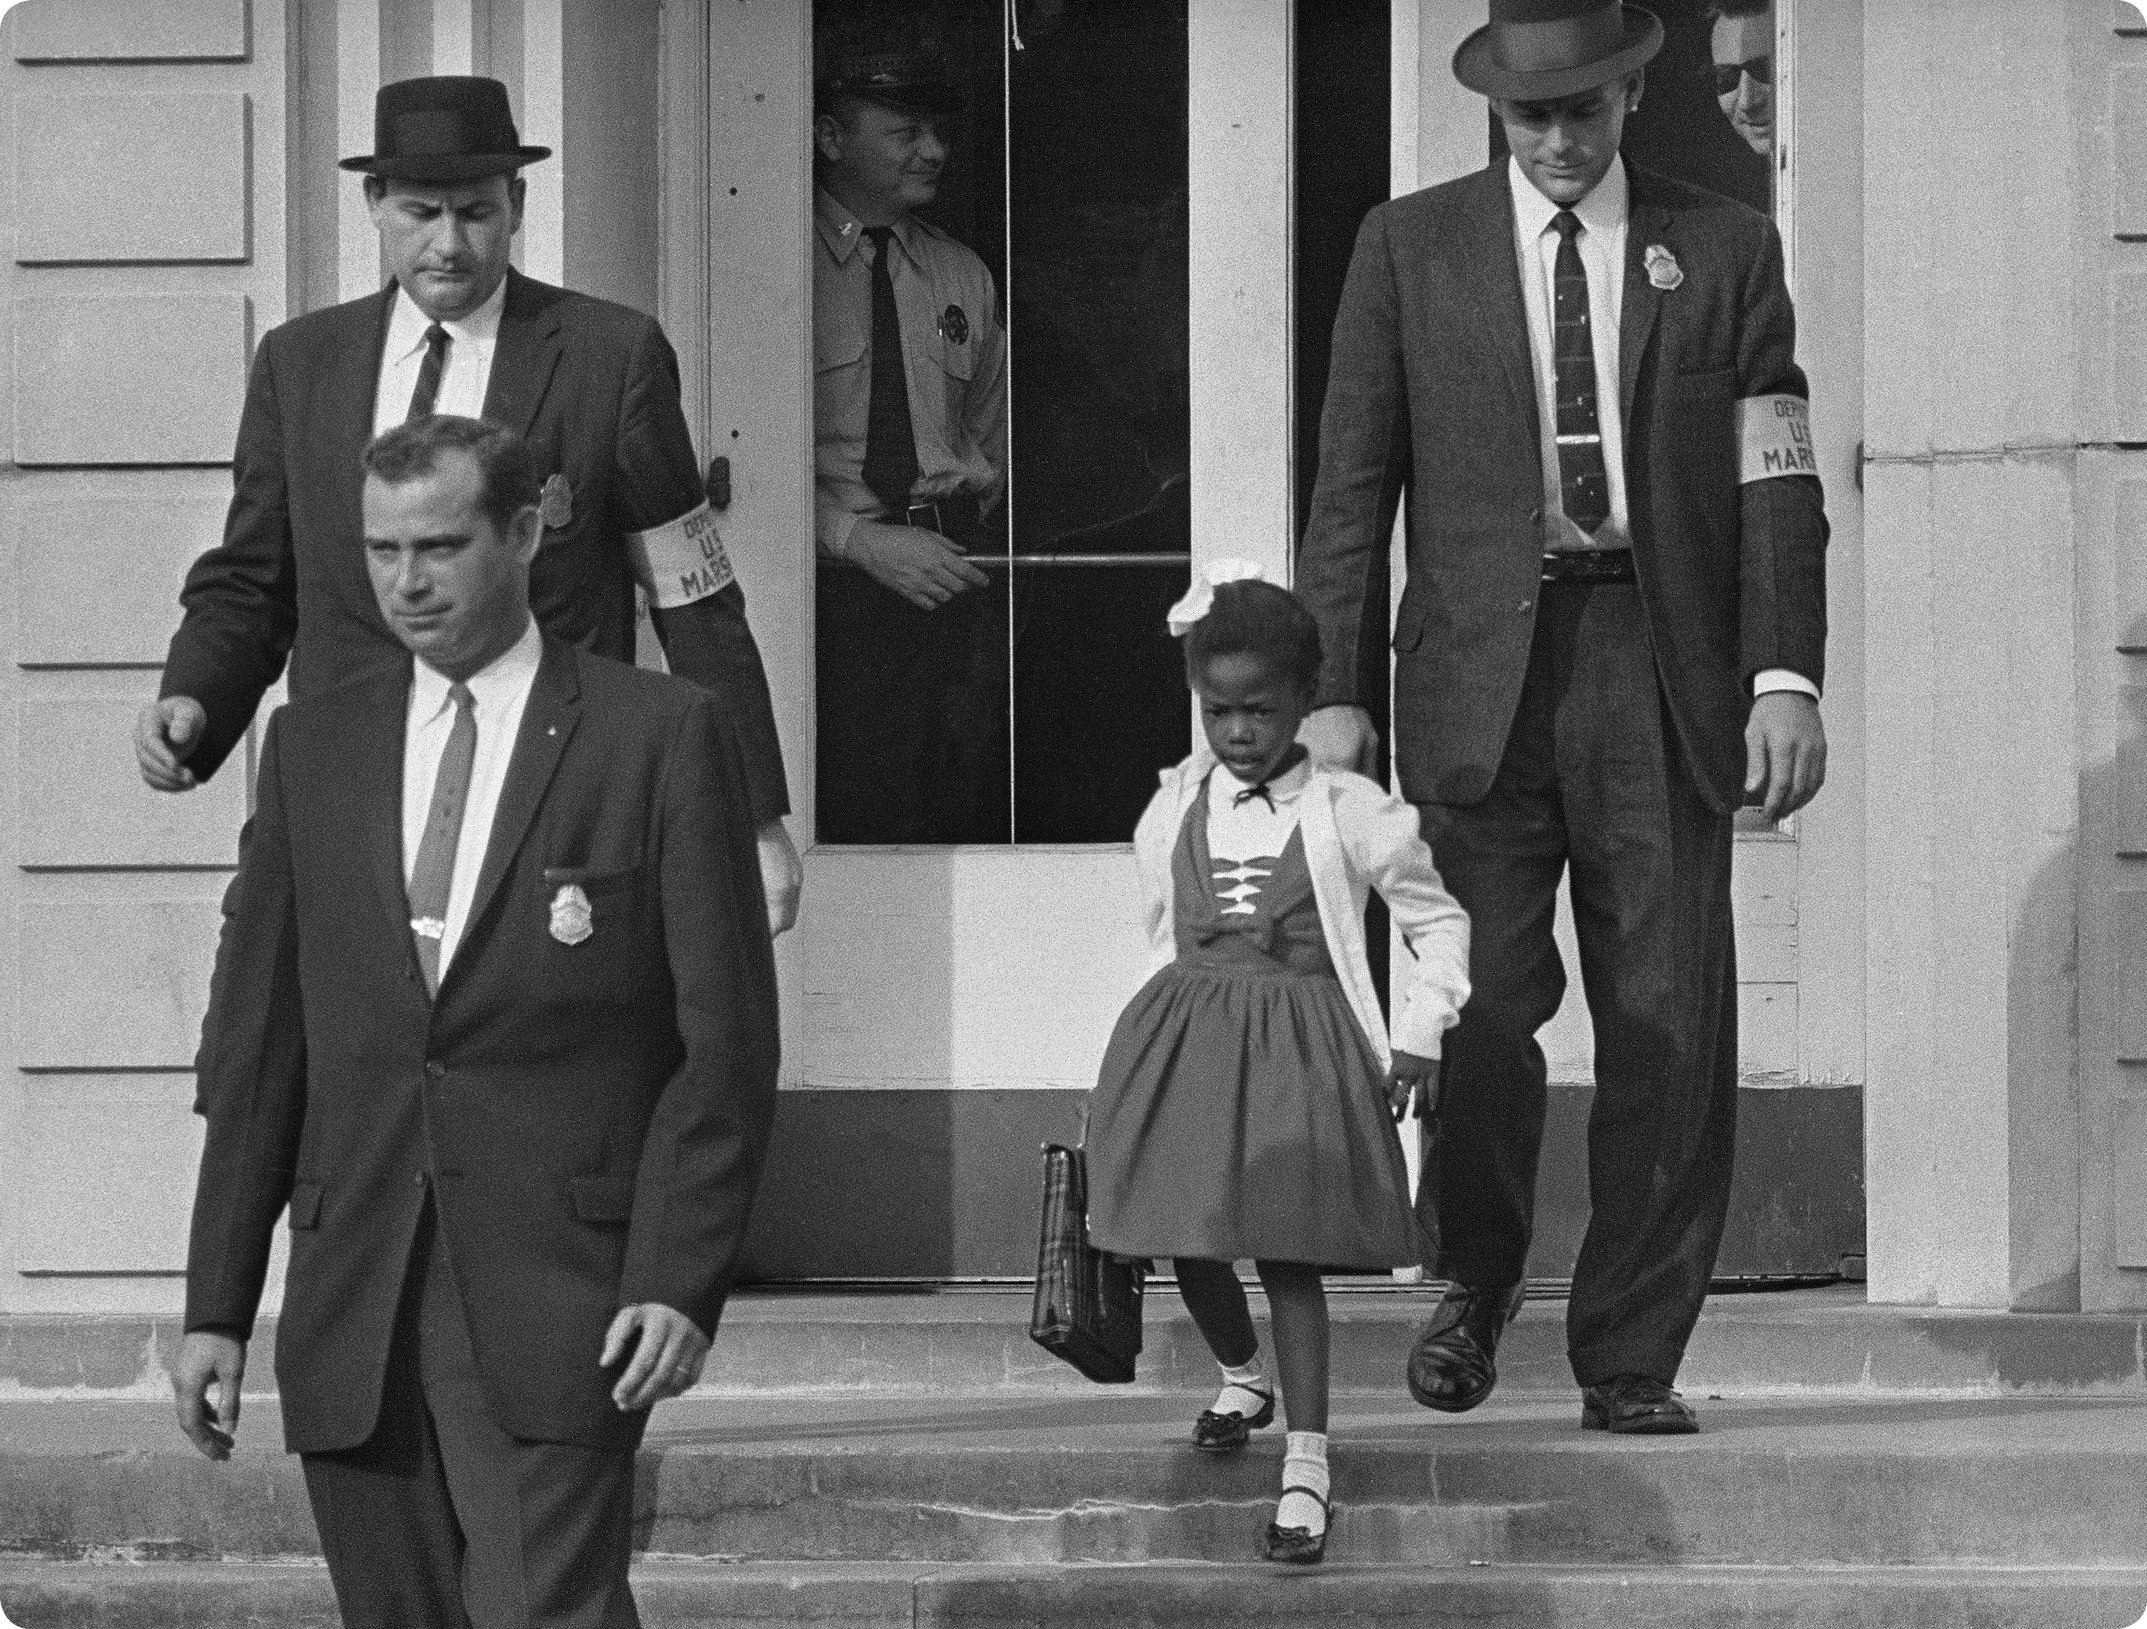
[441, 1520]
[1593, 783]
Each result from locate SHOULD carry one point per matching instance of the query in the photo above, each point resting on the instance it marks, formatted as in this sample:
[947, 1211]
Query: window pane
[1039, 705]
[913, 722]
[1708, 114]
[1102, 512]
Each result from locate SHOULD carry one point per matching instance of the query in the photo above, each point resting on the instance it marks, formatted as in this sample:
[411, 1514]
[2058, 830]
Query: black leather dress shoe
[1632, 1405]
[1452, 1367]
[1226, 1433]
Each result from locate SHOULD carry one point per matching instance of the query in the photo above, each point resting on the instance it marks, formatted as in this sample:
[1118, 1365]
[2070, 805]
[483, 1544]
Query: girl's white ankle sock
[1304, 1465]
[1241, 1389]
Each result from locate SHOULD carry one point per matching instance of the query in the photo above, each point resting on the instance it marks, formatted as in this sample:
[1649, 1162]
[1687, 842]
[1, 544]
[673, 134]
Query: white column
[357, 47]
[1972, 713]
[544, 103]
[454, 45]
[1240, 198]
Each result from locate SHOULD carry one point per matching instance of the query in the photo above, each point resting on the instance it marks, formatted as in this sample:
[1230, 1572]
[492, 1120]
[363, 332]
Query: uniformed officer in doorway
[909, 343]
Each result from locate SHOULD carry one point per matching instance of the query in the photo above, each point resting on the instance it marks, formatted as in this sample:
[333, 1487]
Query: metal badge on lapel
[954, 323]
[572, 920]
[1663, 270]
[556, 504]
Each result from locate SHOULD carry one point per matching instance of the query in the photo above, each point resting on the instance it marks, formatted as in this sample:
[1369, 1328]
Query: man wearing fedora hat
[592, 386]
[1583, 377]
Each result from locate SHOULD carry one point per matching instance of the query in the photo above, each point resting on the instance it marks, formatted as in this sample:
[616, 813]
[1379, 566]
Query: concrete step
[975, 1341]
[687, 1595]
[1111, 1478]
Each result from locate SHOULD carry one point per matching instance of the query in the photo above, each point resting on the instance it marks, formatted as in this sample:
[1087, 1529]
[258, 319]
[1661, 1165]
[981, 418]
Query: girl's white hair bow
[1200, 599]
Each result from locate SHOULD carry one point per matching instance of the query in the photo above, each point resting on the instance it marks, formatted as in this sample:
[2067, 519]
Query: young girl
[1242, 1110]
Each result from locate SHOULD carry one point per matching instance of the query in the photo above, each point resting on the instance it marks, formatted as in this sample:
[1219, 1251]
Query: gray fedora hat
[1544, 50]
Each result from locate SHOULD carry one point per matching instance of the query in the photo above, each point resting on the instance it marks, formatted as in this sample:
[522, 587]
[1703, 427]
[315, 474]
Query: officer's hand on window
[921, 566]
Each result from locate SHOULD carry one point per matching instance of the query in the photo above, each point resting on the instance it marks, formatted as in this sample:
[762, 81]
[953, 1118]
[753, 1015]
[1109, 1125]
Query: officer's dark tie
[1583, 485]
[890, 442]
[437, 339]
[432, 878]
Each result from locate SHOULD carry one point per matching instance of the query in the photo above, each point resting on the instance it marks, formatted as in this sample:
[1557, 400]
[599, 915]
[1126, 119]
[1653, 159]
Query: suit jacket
[1432, 392]
[591, 1117]
[594, 388]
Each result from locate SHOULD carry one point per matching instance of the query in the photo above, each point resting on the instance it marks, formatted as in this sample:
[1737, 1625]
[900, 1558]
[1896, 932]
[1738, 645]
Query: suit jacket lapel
[1492, 266]
[351, 370]
[548, 722]
[376, 759]
[1647, 223]
[528, 350]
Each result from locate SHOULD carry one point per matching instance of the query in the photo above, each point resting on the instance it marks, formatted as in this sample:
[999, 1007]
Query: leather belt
[1589, 566]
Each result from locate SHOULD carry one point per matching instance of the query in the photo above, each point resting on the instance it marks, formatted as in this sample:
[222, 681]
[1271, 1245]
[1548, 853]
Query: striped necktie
[432, 878]
[1583, 483]
[437, 340]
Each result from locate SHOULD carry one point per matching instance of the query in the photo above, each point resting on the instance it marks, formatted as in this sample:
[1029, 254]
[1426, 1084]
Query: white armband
[680, 562]
[1774, 434]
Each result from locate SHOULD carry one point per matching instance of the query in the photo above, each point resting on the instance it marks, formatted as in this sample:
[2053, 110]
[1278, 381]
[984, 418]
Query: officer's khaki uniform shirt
[954, 350]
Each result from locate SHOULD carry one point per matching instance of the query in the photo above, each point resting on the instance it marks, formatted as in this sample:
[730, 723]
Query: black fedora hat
[1544, 50]
[454, 127]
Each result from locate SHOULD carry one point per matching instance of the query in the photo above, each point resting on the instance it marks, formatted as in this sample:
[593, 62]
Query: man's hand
[782, 877]
[1411, 1079]
[667, 1356]
[921, 566]
[1340, 738]
[165, 734]
[205, 1360]
[1784, 752]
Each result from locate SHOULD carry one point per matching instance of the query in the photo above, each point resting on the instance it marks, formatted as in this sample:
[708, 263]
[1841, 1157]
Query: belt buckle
[930, 511]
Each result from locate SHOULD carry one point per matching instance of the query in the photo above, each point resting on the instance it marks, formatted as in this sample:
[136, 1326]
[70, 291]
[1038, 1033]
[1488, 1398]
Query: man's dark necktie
[437, 339]
[432, 878]
[890, 441]
[1583, 484]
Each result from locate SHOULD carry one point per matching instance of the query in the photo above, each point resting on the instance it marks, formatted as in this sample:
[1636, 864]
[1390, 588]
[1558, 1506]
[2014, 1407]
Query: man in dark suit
[592, 386]
[1611, 635]
[512, 1073]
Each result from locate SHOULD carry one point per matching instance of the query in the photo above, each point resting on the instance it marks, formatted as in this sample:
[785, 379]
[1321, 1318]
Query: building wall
[144, 188]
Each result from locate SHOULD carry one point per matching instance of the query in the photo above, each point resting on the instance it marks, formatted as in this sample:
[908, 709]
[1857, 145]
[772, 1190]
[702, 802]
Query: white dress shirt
[499, 692]
[462, 381]
[1601, 243]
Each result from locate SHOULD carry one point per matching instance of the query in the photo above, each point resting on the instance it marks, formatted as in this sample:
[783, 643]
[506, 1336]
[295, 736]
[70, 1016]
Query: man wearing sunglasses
[1742, 45]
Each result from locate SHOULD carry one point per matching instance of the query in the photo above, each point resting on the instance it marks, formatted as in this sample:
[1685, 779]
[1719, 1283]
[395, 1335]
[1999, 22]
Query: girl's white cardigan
[1358, 836]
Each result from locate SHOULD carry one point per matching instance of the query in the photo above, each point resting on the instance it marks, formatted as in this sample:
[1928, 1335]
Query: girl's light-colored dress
[1241, 1108]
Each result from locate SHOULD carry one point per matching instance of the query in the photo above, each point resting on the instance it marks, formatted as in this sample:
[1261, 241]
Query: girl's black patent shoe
[1300, 1546]
[1226, 1433]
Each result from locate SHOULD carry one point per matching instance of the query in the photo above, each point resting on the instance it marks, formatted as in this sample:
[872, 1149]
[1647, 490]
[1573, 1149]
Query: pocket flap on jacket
[603, 1198]
[305, 1205]
[593, 883]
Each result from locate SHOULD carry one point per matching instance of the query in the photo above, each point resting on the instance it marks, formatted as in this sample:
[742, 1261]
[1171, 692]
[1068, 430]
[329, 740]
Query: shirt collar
[1282, 788]
[407, 324]
[1603, 210]
[492, 685]
[842, 231]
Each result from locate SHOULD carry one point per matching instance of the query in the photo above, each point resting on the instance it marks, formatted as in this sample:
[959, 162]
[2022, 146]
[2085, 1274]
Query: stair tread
[1112, 1422]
